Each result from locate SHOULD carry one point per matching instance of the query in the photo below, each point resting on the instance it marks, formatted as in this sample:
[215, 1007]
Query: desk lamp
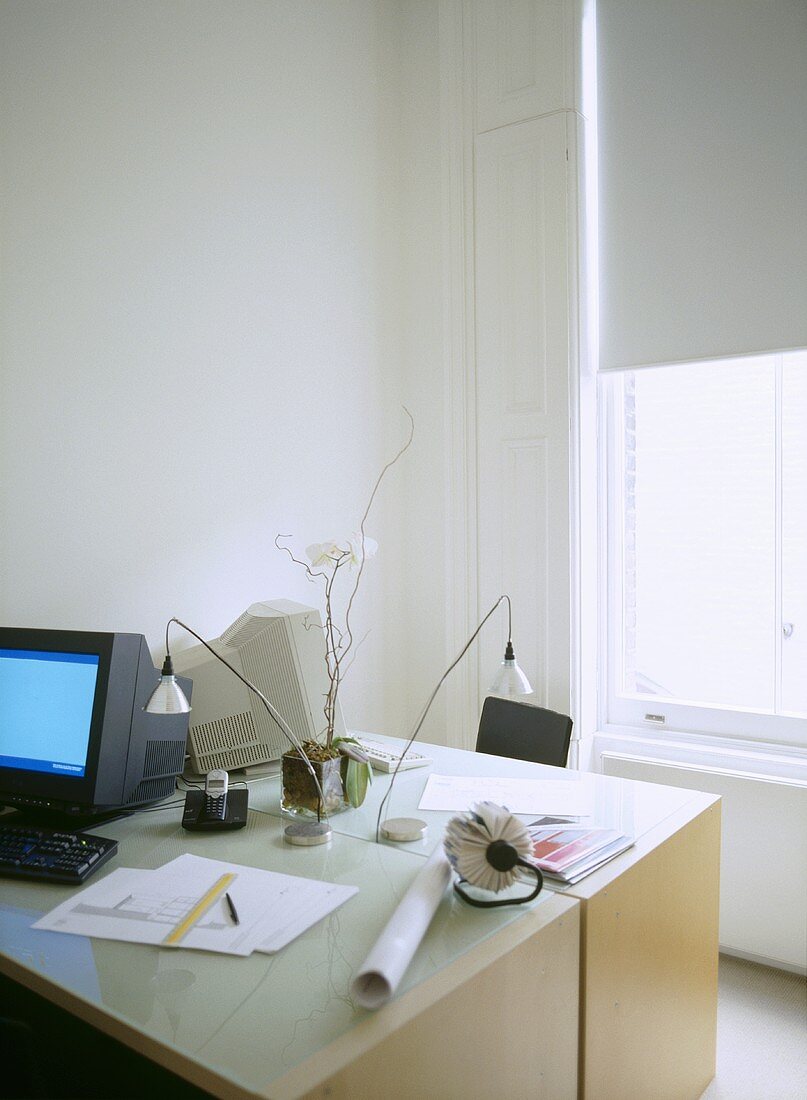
[169, 698]
[510, 680]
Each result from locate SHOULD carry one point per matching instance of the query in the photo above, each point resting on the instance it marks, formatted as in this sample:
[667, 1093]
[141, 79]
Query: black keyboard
[48, 855]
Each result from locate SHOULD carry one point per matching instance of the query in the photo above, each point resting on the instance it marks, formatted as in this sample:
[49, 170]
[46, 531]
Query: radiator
[763, 867]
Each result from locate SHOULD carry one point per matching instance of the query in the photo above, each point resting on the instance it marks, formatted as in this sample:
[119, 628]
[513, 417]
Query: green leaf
[356, 781]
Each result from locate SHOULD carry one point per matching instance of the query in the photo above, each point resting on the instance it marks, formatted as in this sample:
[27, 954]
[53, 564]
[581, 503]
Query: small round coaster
[306, 833]
[404, 828]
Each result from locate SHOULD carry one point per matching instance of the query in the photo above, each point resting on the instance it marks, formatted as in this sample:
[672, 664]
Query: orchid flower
[331, 553]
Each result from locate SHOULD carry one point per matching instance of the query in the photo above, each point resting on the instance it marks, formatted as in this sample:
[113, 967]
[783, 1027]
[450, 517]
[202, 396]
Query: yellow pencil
[201, 907]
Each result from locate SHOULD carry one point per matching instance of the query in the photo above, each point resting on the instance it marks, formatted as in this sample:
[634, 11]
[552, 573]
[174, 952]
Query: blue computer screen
[46, 702]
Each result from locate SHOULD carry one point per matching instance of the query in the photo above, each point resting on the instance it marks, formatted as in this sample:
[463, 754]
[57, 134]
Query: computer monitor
[75, 742]
[279, 646]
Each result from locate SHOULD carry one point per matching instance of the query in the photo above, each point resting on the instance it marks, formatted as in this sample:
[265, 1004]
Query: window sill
[702, 751]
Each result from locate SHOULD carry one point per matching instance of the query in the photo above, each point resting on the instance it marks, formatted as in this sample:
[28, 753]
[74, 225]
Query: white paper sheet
[142, 906]
[520, 796]
[382, 970]
[301, 910]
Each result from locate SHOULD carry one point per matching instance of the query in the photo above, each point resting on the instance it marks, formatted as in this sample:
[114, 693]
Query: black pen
[231, 907]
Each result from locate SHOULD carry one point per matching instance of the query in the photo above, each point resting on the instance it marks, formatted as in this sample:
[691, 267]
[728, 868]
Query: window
[707, 548]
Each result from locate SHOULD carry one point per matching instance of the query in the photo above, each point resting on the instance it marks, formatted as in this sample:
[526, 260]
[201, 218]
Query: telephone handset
[216, 807]
[216, 795]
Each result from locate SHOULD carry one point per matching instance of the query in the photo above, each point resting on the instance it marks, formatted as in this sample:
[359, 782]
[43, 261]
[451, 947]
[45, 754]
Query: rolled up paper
[379, 976]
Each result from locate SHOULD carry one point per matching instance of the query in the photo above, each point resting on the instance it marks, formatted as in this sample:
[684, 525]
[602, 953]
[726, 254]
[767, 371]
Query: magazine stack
[566, 852]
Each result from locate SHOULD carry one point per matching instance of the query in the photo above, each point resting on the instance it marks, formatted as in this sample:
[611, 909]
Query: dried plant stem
[339, 642]
[376, 487]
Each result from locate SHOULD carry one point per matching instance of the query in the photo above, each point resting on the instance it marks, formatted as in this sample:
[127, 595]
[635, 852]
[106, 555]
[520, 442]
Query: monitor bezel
[39, 787]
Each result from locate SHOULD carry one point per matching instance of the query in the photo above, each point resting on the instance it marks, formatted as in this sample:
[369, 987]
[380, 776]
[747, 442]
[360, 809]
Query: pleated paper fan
[468, 837]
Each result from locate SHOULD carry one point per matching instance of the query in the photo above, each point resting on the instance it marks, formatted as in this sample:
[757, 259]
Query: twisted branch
[339, 642]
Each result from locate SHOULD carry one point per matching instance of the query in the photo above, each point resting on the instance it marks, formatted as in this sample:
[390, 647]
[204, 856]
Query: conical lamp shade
[510, 680]
[168, 698]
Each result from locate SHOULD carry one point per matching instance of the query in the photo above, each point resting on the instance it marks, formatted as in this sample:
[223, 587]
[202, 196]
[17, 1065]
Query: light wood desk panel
[649, 956]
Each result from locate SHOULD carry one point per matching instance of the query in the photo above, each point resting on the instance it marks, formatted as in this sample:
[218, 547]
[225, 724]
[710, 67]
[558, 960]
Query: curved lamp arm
[522, 687]
[168, 686]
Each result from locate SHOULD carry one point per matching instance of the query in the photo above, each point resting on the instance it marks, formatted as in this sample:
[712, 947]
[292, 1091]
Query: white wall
[210, 298]
[422, 586]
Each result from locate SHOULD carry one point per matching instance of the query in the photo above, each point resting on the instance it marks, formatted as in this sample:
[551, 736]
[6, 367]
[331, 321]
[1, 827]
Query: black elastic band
[505, 901]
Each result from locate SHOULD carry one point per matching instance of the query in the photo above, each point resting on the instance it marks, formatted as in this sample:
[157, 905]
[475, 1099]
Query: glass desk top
[250, 1020]
[247, 1020]
[630, 806]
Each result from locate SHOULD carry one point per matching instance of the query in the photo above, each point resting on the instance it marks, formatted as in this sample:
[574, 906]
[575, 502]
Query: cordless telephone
[216, 807]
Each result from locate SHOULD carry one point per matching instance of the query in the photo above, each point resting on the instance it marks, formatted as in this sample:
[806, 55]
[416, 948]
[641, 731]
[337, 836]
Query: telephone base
[235, 812]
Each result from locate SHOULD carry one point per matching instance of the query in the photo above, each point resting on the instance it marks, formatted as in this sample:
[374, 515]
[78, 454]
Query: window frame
[647, 714]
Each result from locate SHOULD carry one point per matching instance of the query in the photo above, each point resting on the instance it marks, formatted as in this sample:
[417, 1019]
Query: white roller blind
[702, 119]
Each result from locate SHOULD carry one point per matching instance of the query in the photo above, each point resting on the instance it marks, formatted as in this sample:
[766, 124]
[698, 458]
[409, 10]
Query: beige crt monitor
[278, 645]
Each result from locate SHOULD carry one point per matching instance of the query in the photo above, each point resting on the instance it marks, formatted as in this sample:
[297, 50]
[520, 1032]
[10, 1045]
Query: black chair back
[522, 731]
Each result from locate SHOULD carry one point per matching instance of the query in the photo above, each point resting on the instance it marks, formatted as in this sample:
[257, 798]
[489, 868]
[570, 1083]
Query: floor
[761, 1034]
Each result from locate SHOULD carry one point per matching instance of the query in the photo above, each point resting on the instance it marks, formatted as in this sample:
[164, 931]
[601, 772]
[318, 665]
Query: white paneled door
[522, 370]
